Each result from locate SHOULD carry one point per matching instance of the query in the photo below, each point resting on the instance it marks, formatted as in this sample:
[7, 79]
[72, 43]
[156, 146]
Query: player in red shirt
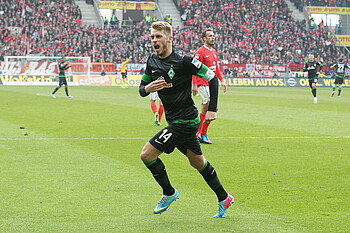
[209, 57]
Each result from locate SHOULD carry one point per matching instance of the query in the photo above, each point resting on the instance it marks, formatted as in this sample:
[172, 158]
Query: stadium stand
[325, 3]
[258, 31]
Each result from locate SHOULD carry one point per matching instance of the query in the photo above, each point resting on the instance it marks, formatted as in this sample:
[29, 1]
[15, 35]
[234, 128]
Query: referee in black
[63, 66]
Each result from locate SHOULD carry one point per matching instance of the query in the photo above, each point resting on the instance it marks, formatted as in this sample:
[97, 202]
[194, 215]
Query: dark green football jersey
[177, 71]
[315, 67]
[62, 68]
[340, 69]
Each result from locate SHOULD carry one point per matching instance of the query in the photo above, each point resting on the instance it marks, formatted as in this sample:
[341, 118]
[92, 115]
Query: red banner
[251, 67]
[296, 67]
[256, 69]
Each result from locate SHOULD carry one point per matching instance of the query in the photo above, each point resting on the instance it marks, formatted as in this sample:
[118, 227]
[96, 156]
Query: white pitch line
[146, 138]
[287, 137]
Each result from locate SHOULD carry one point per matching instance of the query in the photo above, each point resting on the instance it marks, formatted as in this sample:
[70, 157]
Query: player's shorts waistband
[195, 121]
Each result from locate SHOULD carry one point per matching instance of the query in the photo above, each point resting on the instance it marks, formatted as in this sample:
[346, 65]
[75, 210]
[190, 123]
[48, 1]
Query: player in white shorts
[203, 91]
[157, 113]
[209, 57]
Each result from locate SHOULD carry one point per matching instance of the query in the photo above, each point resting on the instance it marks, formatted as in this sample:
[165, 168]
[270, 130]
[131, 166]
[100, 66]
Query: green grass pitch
[75, 166]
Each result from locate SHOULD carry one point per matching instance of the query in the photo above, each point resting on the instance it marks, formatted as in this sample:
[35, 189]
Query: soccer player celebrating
[339, 75]
[170, 74]
[157, 113]
[209, 57]
[313, 68]
[63, 66]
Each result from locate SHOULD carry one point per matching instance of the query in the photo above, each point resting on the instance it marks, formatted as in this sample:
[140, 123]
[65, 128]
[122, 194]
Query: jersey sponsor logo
[207, 56]
[196, 63]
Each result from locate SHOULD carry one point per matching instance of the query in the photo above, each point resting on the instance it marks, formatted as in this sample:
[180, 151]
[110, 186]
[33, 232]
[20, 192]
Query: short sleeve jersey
[340, 69]
[208, 57]
[62, 67]
[314, 68]
[177, 71]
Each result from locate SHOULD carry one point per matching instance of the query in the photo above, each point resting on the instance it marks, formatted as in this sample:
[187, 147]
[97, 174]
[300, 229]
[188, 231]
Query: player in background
[170, 74]
[63, 66]
[157, 113]
[339, 75]
[124, 73]
[313, 68]
[209, 57]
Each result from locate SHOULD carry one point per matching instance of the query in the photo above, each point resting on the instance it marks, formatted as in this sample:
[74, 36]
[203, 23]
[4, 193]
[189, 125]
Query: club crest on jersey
[171, 73]
[196, 63]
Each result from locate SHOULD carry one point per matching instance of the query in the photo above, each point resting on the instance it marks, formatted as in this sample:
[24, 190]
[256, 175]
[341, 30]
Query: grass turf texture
[75, 166]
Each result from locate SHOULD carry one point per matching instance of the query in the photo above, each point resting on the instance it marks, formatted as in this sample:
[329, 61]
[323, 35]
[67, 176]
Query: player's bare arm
[223, 84]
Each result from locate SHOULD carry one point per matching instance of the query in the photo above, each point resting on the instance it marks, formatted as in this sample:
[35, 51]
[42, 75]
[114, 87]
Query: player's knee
[194, 165]
[197, 163]
[204, 108]
[146, 155]
[143, 156]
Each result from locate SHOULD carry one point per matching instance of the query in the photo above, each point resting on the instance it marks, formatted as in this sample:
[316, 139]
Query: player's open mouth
[156, 47]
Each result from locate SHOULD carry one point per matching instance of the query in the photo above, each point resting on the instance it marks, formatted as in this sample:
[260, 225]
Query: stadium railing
[97, 11]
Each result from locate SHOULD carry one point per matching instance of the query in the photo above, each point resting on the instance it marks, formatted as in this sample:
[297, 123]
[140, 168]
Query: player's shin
[202, 117]
[314, 92]
[210, 176]
[153, 107]
[205, 127]
[160, 111]
[159, 173]
[56, 89]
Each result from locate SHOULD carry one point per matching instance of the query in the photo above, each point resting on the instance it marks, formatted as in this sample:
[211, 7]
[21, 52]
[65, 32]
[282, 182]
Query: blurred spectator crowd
[260, 31]
[323, 3]
[327, 3]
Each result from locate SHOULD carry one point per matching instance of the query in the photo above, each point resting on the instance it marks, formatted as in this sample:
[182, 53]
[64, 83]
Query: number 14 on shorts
[164, 137]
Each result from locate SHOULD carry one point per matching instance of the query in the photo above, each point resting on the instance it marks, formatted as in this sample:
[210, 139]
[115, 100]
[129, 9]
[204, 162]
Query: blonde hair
[163, 26]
